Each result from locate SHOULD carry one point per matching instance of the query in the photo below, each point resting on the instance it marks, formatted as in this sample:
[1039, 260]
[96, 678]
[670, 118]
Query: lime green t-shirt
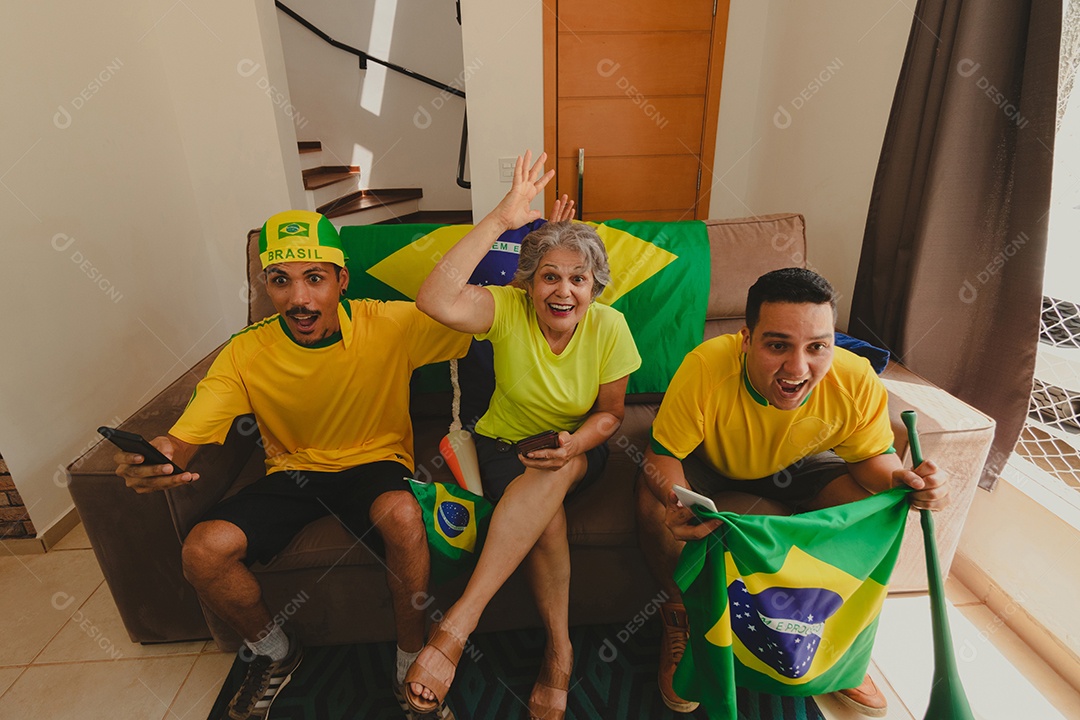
[710, 402]
[537, 390]
[330, 407]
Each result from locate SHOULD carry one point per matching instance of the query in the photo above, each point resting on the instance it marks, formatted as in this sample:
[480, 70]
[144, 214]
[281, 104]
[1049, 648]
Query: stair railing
[364, 58]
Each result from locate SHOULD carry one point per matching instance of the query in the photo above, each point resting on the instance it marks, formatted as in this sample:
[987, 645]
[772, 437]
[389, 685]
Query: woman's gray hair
[567, 235]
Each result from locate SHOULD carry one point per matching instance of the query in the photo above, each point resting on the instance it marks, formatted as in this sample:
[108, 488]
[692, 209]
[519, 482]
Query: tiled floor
[66, 655]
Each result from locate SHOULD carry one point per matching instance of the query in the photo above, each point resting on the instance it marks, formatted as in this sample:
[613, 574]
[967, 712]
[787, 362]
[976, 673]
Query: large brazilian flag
[660, 278]
[786, 605]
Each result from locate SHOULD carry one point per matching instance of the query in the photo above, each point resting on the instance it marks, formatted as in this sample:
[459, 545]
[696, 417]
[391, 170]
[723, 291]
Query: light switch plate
[506, 169]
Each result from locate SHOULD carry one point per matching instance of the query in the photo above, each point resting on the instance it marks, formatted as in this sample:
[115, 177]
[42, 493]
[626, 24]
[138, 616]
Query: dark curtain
[950, 276]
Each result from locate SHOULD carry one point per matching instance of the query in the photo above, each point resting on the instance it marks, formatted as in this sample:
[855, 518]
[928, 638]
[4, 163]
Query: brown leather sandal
[449, 647]
[553, 678]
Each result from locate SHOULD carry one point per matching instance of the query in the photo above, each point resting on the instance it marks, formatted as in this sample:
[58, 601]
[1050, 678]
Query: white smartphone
[689, 498]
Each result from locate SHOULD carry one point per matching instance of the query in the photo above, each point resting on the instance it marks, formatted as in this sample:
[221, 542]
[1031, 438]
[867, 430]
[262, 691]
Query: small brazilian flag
[293, 229]
[456, 523]
[786, 605]
[660, 273]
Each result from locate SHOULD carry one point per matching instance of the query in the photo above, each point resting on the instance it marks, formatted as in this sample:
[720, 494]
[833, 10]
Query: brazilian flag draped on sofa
[660, 278]
[786, 605]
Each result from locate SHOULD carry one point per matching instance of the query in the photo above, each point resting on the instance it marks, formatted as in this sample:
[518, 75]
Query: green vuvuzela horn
[947, 698]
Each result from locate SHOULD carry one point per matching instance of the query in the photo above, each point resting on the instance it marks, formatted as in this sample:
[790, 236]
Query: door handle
[580, 180]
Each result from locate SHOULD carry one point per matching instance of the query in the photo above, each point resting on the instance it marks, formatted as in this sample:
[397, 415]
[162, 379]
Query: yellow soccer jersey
[537, 390]
[342, 403]
[710, 402]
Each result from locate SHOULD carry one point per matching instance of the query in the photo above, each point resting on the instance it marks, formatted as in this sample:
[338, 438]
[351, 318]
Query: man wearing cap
[327, 379]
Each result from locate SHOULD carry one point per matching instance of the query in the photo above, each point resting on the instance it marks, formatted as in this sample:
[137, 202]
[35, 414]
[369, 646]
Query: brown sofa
[333, 589]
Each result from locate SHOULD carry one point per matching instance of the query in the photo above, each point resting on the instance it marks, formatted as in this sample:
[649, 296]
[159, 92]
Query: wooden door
[636, 85]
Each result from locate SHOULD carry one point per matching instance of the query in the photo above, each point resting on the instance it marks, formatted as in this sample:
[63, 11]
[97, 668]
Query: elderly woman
[561, 363]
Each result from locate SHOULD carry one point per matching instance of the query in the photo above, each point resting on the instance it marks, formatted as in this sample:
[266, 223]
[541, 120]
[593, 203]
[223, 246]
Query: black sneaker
[263, 681]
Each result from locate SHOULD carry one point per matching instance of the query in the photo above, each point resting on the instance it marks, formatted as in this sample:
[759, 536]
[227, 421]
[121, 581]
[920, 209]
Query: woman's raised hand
[514, 211]
[562, 210]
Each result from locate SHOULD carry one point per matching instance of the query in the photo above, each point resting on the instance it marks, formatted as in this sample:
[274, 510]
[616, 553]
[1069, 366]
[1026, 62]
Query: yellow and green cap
[300, 236]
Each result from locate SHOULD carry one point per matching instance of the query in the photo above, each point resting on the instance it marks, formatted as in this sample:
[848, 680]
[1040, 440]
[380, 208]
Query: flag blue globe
[782, 626]
[500, 264]
[453, 518]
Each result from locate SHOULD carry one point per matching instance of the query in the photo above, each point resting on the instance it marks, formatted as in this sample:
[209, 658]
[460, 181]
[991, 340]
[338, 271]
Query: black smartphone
[539, 441]
[134, 443]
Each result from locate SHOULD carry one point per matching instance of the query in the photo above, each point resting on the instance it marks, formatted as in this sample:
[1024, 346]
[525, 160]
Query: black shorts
[793, 486]
[500, 465]
[271, 511]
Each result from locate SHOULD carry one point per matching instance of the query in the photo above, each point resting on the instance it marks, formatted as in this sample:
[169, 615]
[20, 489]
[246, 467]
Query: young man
[779, 422]
[328, 381]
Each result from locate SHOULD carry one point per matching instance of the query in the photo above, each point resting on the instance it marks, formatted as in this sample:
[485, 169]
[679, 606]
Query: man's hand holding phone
[143, 474]
[681, 520]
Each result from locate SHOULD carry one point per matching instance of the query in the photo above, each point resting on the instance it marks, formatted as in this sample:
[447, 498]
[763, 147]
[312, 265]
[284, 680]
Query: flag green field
[786, 605]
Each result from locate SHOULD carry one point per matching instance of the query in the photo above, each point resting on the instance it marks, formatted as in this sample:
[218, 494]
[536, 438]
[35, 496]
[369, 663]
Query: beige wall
[134, 158]
[806, 95]
[399, 131]
[505, 95]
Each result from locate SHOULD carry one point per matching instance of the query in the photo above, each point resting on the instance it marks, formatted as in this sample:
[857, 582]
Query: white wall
[504, 41]
[134, 159]
[806, 94]
[399, 131]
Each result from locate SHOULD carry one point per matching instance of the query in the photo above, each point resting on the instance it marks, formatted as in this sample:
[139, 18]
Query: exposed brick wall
[14, 520]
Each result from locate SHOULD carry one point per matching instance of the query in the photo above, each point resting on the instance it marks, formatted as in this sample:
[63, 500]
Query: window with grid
[1050, 441]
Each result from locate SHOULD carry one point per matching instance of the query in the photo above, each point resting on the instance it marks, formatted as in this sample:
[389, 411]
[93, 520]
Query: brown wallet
[540, 441]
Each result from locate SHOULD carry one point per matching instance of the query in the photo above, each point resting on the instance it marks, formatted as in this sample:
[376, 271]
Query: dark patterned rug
[614, 679]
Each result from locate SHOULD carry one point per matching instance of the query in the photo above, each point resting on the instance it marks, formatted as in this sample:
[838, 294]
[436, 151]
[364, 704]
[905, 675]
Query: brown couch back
[742, 250]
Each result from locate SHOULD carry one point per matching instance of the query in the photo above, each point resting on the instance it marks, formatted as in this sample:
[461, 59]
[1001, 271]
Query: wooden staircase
[335, 191]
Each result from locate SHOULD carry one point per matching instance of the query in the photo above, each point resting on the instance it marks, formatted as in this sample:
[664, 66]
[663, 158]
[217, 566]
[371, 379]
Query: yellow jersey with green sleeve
[326, 407]
[537, 390]
[711, 403]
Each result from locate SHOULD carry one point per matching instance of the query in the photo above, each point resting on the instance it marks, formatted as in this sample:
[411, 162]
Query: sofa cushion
[744, 249]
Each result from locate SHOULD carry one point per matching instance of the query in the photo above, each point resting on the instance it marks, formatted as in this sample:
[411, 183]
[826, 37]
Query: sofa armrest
[957, 438]
[222, 469]
[133, 535]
